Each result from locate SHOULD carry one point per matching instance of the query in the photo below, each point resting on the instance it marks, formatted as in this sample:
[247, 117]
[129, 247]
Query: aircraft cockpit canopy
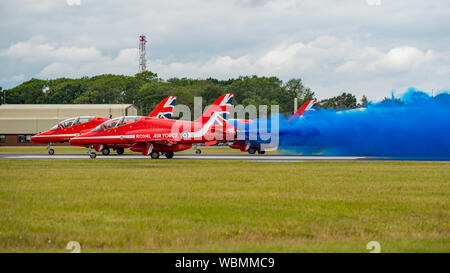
[116, 122]
[71, 122]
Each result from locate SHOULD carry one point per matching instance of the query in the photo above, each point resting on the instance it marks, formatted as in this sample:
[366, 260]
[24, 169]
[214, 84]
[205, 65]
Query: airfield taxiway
[245, 157]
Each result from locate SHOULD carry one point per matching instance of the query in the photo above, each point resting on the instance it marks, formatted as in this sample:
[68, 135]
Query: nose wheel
[49, 150]
[92, 155]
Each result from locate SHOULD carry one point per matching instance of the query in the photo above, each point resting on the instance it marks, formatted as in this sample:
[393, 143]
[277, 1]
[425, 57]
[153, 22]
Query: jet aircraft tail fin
[306, 107]
[220, 109]
[164, 110]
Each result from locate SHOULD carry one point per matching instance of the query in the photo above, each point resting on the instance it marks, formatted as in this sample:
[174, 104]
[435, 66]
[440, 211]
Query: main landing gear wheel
[105, 151]
[252, 151]
[154, 154]
[261, 152]
[169, 154]
[198, 151]
[120, 151]
[93, 155]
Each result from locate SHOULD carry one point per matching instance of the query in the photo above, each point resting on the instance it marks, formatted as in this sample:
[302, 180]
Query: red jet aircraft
[72, 127]
[67, 129]
[164, 110]
[152, 136]
[255, 146]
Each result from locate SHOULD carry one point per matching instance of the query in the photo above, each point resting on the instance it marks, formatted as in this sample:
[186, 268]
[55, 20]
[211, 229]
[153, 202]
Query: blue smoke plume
[417, 125]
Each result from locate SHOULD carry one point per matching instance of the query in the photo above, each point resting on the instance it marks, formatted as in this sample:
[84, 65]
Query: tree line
[146, 90]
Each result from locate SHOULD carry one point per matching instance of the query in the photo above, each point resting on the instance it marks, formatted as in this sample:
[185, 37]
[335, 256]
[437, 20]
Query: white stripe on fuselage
[196, 134]
[66, 135]
[108, 137]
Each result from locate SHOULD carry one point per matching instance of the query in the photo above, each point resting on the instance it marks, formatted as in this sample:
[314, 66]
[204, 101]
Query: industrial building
[18, 122]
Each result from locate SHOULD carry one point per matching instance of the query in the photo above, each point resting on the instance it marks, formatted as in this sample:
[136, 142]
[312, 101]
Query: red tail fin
[306, 107]
[215, 116]
[164, 109]
[221, 107]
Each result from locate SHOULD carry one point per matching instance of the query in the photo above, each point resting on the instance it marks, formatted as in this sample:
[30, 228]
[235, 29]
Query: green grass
[223, 206]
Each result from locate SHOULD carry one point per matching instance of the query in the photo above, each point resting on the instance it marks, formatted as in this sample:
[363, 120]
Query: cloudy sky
[367, 47]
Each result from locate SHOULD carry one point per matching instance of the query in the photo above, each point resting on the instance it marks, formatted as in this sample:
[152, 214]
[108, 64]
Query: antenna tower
[142, 60]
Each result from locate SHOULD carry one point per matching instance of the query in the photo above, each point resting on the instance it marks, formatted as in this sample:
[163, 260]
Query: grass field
[223, 206]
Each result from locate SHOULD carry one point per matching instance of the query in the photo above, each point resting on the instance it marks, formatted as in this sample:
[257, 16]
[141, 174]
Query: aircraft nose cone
[36, 137]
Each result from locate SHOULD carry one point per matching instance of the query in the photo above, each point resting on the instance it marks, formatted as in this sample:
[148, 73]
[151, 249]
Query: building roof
[34, 118]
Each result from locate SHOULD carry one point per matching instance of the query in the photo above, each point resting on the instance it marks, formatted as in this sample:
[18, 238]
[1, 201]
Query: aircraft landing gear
[120, 151]
[105, 151]
[253, 151]
[197, 150]
[169, 154]
[50, 151]
[154, 155]
[92, 155]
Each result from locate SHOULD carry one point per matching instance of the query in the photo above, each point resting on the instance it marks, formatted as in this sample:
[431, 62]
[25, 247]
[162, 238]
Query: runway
[244, 157]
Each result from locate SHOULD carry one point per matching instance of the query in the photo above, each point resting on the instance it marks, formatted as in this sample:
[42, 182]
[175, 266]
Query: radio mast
[142, 60]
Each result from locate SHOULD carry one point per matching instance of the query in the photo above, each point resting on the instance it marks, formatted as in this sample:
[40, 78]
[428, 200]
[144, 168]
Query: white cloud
[73, 2]
[37, 7]
[332, 45]
[70, 61]
[327, 62]
[402, 58]
[124, 63]
[373, 2]
[322, 55]
[444, 70]
[14, 79]
[38, 49]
